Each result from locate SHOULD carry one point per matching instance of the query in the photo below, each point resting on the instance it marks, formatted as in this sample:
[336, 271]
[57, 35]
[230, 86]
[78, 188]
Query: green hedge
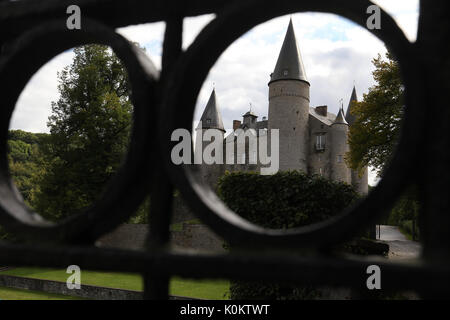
[285, 200]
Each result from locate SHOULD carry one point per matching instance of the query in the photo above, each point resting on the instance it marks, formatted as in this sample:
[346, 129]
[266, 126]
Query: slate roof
[351, 118]
[211, 118]
[328, 120]
[340, 119]
[290, 64]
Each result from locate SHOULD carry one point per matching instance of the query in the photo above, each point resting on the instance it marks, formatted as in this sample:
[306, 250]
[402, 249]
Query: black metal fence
[33, 32]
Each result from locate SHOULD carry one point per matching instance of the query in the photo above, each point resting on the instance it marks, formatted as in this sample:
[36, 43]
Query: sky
[337, 54]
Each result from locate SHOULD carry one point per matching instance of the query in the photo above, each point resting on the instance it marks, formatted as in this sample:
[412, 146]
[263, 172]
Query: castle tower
[211, 119]
[289, 104]
[339, 148]
[359, 182]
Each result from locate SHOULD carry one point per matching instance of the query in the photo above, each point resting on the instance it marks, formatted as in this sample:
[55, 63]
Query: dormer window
[208, 122]
[285, 73]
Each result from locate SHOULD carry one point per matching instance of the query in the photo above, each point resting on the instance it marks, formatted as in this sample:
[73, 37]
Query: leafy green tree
[23, 159]
[90, 128]
[375, 132]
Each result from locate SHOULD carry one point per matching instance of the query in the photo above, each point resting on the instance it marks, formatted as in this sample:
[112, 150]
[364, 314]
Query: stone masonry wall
[191, 236]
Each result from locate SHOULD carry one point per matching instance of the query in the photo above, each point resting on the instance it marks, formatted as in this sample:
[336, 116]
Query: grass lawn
[15, 294]
[205, 289]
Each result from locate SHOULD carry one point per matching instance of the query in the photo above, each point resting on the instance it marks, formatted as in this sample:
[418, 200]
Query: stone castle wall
[191, 236]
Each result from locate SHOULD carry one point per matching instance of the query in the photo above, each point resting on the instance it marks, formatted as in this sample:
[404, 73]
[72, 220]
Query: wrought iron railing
[33, 32]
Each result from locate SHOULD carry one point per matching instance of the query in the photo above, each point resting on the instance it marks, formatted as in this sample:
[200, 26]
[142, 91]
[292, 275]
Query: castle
[311, 139]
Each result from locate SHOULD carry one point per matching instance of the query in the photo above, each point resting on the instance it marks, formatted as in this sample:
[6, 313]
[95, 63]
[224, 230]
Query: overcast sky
[336, 54]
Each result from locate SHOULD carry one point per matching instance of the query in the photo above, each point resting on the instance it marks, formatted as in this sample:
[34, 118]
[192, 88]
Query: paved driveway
[399, 246]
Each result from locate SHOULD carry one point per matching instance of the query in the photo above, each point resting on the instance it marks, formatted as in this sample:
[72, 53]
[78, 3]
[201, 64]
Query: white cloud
[34, 105]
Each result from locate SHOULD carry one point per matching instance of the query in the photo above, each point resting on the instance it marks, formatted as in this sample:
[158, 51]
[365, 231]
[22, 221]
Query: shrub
[285, 200]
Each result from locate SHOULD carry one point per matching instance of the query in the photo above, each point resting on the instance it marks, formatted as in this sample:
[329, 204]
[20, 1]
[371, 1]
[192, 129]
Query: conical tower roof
[290, 64]
[211, 118]
[340, 119]
[351, 118]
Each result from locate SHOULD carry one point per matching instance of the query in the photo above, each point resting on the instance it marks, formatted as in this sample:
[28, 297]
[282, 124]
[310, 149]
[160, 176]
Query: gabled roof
[351, 118]
[290, 64]
[211, 118]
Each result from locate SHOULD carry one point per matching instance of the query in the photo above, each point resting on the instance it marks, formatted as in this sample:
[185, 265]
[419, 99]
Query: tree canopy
[374, 134]
[90, 128]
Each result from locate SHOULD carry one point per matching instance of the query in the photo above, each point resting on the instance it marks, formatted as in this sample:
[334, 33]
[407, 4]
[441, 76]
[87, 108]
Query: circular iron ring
[191, 72]
[129, 186]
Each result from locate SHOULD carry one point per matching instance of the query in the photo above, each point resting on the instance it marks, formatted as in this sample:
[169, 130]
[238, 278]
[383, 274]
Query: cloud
[34, 104]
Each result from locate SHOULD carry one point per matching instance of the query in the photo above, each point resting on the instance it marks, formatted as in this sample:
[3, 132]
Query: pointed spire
[211, 118]
[351, 118]
[290, 64]
[340, 118]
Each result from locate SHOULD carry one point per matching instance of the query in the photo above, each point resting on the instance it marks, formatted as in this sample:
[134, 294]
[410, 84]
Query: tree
[374, 134]
[90, 128]
[23, 159]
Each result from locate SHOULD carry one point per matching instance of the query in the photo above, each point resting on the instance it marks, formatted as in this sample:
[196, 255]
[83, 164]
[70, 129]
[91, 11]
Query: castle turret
[210, 120]
[211, 117]
[339, 148]
[360, 181]
[289, 104]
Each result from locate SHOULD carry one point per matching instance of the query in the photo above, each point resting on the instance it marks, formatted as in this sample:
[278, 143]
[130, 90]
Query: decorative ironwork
[33, 32]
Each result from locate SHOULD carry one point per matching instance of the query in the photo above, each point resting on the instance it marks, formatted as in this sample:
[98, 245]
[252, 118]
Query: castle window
[320, 171]
[320, 142]
[339, 159]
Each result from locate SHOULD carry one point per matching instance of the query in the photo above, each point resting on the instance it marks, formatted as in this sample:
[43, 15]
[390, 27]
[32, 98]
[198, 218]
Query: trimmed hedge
[284, 200]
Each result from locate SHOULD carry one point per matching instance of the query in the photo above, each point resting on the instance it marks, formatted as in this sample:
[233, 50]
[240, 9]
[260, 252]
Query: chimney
[236, 124]
[322, 110]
